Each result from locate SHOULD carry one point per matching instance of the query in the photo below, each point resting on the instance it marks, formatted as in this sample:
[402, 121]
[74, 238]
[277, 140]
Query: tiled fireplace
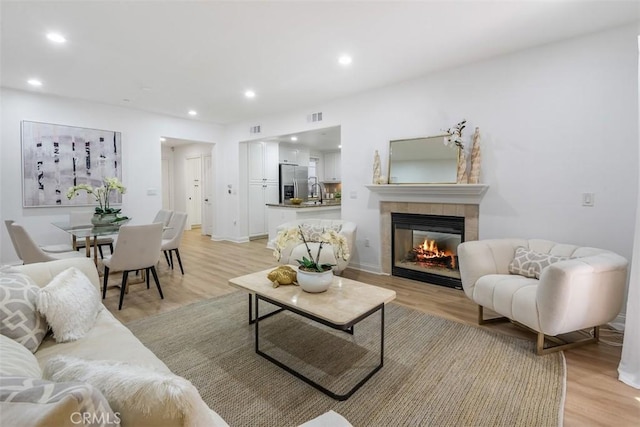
[433, 220]
[426, 249]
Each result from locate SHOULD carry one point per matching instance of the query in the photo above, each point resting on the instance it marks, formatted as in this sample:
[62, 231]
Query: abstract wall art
[56, 157]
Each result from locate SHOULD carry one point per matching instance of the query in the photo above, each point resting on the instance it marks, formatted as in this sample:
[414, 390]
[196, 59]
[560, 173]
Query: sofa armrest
[479, 258]
[568, 289]
[43, 272]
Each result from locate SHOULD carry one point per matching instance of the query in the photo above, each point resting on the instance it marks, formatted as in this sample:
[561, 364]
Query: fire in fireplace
[424, 247]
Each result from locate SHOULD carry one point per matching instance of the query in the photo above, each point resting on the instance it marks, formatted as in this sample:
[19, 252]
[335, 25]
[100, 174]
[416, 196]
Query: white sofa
[583, 291]
[108, 340]
[293, 252]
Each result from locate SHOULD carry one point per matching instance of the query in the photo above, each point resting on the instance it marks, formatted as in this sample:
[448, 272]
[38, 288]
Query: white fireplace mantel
[432, 193]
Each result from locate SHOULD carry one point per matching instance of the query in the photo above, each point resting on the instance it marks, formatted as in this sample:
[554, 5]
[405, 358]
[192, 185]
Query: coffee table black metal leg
[252, 319]
[309, 381]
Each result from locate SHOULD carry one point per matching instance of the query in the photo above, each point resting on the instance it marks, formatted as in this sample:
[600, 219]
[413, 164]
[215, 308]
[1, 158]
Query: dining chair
[47, 248]
[172, 236]
[163, 216]
[84, 218]
[29, 252]
[137, 248]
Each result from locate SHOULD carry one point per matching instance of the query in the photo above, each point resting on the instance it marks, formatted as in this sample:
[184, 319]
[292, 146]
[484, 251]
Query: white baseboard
[230, 239]
[369, 268]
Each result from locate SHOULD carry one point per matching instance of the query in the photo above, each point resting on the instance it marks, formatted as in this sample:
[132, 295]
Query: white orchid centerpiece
[101, 194]
[296, 235]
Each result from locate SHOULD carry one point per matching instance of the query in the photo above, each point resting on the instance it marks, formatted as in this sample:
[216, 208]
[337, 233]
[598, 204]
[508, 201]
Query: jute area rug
[436, 372]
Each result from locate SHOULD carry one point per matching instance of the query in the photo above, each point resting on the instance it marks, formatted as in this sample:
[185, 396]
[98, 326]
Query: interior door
[207, 187]
[194, 190]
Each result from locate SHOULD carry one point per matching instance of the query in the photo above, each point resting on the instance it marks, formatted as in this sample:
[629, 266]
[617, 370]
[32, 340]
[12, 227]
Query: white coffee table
[342, 306]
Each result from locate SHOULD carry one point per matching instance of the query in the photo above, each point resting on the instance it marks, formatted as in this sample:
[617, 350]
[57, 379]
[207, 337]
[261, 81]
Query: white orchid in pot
[102, 195]
[313, 275]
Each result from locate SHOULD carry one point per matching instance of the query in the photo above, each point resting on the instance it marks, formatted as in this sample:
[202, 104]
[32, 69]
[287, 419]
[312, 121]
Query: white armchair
[293, 252]
[583, 290]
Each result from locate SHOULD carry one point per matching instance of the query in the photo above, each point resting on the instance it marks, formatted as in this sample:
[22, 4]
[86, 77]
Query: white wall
[141, 133]
[556, 121]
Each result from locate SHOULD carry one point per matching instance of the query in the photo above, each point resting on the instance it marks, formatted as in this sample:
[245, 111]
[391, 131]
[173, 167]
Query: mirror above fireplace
[427, 160]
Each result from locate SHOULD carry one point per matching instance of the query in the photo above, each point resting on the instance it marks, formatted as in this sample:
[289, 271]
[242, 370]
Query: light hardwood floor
[594, 395]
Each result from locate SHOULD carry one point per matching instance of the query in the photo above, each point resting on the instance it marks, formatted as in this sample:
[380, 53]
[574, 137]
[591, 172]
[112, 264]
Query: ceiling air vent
[315, 117]
[254, 129]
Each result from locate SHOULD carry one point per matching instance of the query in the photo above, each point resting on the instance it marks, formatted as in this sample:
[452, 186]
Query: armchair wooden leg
[166, 256]
[155, 277]
[147, 277]
[171, 258]
[104, 282]
[179, 261]
[125, 274]
[541, 350]
[100, 250]
[483, 321]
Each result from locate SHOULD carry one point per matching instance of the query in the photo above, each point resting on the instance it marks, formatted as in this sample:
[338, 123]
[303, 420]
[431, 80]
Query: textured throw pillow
[530, 264]
[16, 359]
[70, 303]
[132, 389]
[19, 318]
[45, 403]
[313, 233]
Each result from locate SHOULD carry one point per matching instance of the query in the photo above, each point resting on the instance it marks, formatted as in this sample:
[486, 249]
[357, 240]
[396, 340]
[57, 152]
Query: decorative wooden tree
[474, 174]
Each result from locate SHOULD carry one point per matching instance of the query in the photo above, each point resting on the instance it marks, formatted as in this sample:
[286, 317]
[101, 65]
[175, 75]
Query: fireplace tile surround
[461, 200]
[470, 213]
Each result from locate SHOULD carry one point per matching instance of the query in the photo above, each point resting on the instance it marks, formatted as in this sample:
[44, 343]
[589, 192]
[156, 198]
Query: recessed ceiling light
[34, 82]
[162, 139]
[294, 138]
[345, 60]
[193, 113]
[56, 38]
[249, 94]
[340, 146]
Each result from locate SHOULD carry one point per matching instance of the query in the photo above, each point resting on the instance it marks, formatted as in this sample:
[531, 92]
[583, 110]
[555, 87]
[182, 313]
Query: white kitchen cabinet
[263, 162]
[331, 168]
[263, 183]
[294, 154]
[288, 154]
[259, 196]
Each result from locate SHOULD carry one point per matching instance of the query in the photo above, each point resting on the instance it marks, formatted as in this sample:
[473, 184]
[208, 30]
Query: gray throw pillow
[19, 319]
[530, 263]
[46, 403]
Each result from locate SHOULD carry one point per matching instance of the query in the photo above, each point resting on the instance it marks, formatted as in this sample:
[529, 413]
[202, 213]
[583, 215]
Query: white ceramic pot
[313, 281]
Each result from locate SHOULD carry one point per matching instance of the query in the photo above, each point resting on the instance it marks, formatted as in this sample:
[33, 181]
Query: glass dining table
[90, 234]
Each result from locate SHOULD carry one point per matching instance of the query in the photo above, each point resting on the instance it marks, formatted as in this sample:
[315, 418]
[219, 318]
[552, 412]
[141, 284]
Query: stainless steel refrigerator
[294, 182]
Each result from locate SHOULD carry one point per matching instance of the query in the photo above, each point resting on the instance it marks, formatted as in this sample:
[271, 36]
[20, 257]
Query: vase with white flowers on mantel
[104, 215]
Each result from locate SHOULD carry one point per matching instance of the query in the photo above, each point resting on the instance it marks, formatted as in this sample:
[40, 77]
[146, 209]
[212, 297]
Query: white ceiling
[171, 56]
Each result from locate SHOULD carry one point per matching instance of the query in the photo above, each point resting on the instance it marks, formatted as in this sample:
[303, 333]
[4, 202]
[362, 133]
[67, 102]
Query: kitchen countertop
[332, 204]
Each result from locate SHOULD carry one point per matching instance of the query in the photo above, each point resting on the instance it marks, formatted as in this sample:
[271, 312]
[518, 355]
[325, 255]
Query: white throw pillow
[70, 303]
[136, 392]
[19, 318]
[17, 360]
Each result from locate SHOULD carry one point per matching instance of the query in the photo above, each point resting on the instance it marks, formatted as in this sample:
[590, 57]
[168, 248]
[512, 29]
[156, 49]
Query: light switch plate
[588, 199]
